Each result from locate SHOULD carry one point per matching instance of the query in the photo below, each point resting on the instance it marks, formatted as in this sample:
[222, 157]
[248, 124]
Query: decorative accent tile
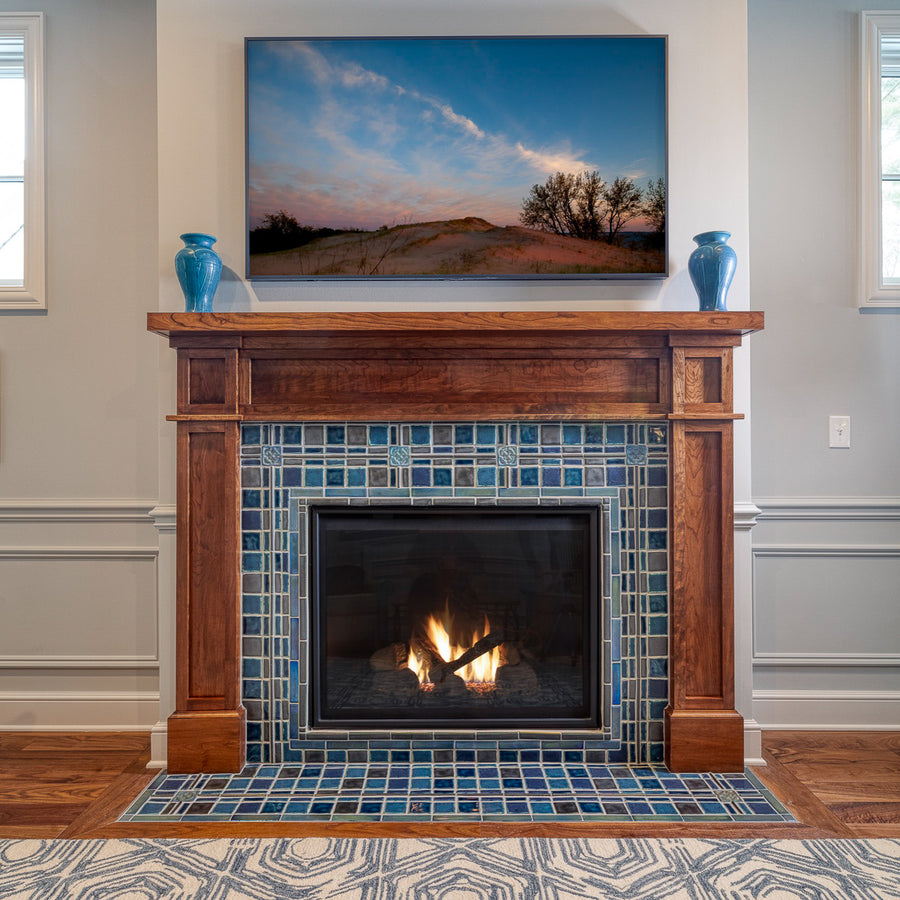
[508, 455]
[636, 455]
[271, 455]
[399, 456]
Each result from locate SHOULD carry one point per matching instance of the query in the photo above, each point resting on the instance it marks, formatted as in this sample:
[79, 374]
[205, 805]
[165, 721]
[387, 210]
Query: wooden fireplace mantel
[441, 366]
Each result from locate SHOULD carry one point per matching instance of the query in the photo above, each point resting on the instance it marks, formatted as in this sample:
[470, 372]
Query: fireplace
[645, 393]
[442, 617]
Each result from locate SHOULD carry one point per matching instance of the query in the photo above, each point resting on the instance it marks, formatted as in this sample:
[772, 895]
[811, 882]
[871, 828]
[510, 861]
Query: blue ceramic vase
[198, 268]
[711, 267]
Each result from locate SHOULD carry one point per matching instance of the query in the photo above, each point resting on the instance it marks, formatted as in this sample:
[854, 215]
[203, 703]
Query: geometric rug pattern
[475, 792]
[448, 869]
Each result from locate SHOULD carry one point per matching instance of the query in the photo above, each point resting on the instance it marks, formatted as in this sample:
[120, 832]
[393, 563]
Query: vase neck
[710, 237]
[194, 237]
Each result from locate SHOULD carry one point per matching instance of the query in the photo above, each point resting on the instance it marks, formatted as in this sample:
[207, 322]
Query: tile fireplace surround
[628, 412]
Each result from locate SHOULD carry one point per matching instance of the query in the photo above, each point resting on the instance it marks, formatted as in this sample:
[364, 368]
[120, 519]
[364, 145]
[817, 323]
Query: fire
[479, 675]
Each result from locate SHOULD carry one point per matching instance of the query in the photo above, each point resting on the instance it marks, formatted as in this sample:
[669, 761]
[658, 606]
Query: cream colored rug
[448, 869]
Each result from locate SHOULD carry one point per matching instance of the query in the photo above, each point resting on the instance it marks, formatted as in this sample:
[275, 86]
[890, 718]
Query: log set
[439, 669]
[673, 367]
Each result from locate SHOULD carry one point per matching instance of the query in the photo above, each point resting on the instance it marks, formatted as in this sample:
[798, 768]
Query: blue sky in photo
[365, 133]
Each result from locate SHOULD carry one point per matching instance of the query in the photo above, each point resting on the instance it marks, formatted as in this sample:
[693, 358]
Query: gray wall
[78, 429]
[827, 546]
[86, 581]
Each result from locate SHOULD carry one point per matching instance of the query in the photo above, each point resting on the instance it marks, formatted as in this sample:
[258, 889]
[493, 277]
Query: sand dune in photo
[469, 246]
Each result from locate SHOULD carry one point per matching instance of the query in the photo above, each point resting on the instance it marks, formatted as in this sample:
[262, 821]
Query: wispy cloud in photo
[365, 133]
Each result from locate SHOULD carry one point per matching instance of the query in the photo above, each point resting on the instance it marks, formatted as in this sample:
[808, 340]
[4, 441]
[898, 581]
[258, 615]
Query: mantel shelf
[718, 323]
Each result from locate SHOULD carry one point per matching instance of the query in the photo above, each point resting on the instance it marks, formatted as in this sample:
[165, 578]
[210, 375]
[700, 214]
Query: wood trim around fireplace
[441, 366]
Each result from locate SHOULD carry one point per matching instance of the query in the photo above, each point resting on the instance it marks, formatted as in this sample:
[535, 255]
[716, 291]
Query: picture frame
[526, 157]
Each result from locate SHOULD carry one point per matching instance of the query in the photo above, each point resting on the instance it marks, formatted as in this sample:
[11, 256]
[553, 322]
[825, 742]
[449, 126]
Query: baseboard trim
[158, 745]
[753, 743]
[78, 711]
[827, 710]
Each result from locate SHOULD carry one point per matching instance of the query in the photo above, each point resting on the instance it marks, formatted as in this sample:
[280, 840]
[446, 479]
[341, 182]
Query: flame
[479, 675]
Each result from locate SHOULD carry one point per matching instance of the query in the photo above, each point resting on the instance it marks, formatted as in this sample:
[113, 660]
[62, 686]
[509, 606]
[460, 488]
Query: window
[880, 160]
[21, 162]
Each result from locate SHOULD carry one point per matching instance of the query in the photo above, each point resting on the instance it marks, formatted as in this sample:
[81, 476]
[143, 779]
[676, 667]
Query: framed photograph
[461, 157]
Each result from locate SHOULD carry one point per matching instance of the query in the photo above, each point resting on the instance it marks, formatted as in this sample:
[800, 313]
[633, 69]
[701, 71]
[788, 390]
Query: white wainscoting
[826, 613]
[79, 647]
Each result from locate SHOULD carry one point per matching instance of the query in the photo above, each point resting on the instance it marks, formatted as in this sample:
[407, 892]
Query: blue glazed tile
[251, 520]
[486, 476]
[442, 477]
[551, 476]
[251, 499]
[656, 475]
[313, 476]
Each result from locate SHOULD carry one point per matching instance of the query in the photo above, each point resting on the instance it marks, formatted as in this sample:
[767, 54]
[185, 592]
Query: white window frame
[874, 292]
[32, 293]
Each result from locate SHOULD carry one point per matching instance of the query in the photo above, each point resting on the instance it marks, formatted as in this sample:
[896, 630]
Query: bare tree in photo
[622, 204]
[584, 205]
[549, 206]
[655, 205]
[591, 189]
[566, 204]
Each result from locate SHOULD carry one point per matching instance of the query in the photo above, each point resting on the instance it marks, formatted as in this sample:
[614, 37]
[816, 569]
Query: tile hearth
[468, 786]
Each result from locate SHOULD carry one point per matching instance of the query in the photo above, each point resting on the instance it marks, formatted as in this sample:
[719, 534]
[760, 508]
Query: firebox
[455, 617]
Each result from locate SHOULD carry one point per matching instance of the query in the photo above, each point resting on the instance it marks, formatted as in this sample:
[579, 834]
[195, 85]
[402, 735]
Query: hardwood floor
[74, 785]
[855, 775]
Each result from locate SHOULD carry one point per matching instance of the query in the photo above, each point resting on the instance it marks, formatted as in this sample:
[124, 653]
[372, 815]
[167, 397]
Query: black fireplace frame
[593, 618]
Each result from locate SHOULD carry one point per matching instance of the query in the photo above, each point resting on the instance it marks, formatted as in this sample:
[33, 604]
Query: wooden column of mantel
[442, 366]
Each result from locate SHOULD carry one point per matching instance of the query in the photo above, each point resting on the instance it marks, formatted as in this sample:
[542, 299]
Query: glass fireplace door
[455, 617]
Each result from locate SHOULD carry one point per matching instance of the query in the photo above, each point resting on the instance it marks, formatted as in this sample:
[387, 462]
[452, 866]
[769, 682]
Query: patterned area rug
[448, 869]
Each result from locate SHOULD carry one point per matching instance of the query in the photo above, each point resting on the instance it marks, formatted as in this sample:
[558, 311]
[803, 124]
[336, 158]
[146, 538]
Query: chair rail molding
[164, 518]
[829, 508]
[94, 510]
[746, 515]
